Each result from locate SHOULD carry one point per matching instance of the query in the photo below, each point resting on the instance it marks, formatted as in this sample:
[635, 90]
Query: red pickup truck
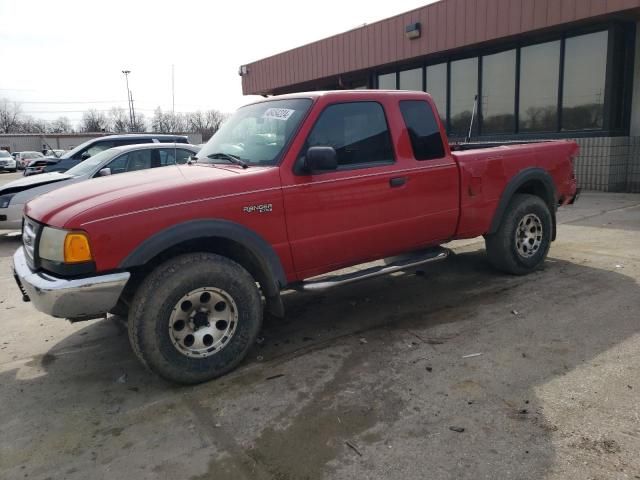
[289, 190]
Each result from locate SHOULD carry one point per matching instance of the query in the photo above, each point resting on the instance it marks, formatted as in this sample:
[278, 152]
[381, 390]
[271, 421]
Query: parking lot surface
[451, 371]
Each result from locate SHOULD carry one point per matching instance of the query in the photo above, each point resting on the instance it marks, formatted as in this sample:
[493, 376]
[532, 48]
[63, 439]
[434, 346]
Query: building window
[464, 88]
[411, 79]
[387, 81]
[422, 126]
[357, 131]
[499, 93]
[519, 89]
[539, 80]
[437, 87]
[585, 71]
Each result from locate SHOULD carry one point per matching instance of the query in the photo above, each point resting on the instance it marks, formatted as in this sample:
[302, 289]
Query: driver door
[358, 212]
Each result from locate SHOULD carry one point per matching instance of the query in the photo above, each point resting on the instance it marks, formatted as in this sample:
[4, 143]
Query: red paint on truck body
[318, 223]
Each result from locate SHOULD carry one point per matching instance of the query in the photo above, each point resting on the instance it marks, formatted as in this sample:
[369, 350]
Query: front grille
[30, 230]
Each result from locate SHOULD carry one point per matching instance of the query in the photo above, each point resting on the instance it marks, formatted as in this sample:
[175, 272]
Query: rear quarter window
[423, 130]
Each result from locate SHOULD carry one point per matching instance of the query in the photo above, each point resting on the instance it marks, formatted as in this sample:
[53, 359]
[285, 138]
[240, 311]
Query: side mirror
[85, 155]
[320, 159]
[104, 172]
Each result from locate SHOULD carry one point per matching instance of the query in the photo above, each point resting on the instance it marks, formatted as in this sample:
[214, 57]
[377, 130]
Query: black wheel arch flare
[544, 187]
[274, 278]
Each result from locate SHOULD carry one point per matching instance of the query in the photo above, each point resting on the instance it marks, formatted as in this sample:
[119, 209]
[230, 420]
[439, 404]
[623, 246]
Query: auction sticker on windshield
[278, 113]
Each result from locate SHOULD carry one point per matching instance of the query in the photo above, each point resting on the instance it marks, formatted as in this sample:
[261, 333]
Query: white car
[23, 158]
[7, 162]
[114, 161]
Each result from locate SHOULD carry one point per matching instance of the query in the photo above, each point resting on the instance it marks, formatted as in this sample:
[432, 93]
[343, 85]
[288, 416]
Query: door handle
[397, 182]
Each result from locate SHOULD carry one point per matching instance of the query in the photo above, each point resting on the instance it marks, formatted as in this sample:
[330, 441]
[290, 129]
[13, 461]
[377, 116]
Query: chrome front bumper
[75, 299]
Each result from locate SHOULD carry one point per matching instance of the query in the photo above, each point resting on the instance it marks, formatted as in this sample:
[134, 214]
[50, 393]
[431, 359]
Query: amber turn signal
[76, 248]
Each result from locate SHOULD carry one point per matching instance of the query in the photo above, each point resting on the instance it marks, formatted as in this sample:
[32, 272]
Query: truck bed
[487, 168]
[465, 146]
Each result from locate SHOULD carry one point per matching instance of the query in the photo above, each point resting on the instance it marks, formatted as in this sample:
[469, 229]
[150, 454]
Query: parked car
[23, 158]
[114, 161]
[290, 188]
[7, 162]
[86, 150]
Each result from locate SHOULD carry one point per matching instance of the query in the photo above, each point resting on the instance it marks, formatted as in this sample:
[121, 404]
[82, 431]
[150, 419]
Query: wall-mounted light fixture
[413, 31]
[243, 70]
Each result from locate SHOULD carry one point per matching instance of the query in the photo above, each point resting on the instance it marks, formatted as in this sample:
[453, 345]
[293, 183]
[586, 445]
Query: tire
[222, 328]
[523, 239]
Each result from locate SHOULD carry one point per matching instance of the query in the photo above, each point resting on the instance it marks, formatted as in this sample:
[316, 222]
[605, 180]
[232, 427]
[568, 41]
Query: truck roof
[346, 93]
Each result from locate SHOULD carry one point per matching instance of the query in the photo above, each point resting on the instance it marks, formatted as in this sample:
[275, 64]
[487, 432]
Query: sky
[72, 52]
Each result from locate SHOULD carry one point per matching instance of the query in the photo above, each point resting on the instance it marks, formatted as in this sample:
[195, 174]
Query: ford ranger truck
[288, 192]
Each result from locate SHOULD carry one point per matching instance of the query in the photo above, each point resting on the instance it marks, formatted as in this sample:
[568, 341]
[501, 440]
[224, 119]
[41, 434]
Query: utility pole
[133, 112]
[129, 99]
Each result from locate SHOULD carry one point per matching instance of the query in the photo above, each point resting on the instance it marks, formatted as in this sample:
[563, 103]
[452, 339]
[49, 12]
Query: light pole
[126, 79]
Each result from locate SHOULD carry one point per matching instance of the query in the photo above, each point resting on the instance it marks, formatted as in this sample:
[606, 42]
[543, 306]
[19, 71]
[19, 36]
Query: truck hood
[114, 195]
[33, 181]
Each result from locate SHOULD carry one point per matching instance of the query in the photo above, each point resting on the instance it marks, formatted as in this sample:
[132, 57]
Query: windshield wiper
[230, 158]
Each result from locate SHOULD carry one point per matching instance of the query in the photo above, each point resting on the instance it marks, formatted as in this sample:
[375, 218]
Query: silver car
[7, 162]
[114, 161]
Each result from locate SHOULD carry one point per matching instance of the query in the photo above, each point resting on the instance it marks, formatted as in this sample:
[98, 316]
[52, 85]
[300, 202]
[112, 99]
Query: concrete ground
[453, 371]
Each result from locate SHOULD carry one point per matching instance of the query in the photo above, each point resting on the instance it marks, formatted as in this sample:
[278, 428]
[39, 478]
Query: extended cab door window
[357, 131]
[423, 129]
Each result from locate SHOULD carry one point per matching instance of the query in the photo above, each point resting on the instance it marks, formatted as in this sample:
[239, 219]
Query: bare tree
[206, 123]
[140, 124]
[9, 116]
[119, 120]
[157, 122]
[177, 122]
[33, 125]
[61, 125]
[168, 122]
[94, 121]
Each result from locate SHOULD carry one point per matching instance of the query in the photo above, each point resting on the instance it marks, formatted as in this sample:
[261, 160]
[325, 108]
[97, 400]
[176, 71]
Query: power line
[70, 103]
[83, 111]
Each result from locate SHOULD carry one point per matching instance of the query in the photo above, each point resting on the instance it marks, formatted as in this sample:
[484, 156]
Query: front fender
[266, 256]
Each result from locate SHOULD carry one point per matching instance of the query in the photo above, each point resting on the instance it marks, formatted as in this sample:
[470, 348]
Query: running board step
[391, 265]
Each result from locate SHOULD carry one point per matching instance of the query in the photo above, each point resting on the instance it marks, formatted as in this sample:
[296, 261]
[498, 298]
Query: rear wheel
[523, 239]
[195, 317]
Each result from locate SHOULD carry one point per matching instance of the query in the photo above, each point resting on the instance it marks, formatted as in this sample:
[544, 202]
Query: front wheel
[195, 317]
[523, 239]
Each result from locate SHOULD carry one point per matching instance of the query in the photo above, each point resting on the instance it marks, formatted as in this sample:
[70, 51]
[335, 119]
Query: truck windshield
[257, 133]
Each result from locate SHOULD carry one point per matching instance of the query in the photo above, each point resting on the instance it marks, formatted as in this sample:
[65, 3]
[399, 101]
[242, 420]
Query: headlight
[63, 246]
[5, 200]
